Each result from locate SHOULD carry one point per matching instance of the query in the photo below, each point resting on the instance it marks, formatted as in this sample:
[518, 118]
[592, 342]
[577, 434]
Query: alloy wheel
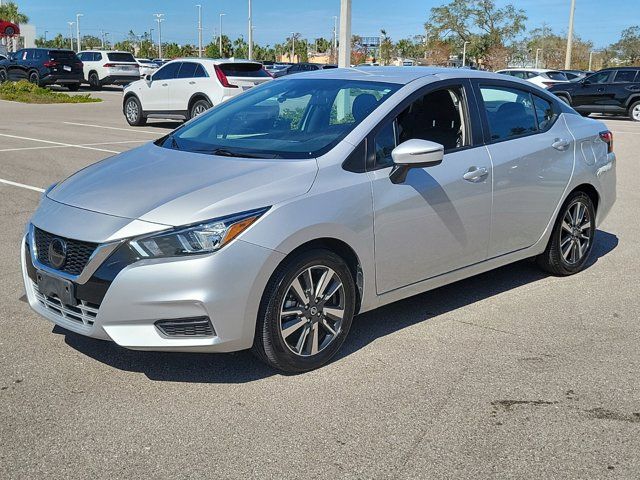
[312, 311]
[132, 111]
[636, 113]
[199, 109]
[575, 234]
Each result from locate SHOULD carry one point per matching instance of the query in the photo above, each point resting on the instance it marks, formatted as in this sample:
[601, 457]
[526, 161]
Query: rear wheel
[198, 108]
[3, 75]
[572, 237]
[634, 112]
[306, 312]
[94, 81]
[133, 112]
[34, 77]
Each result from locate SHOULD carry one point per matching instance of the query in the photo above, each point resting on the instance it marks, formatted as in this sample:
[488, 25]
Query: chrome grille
[84, 313]
[78, 253]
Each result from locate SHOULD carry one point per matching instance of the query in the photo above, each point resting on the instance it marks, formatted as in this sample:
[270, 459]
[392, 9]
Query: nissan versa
[269, 221]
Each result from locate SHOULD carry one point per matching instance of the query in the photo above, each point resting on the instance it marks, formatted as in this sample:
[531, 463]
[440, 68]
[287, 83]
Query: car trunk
[64, 63]
[122, 63]
[243, 75]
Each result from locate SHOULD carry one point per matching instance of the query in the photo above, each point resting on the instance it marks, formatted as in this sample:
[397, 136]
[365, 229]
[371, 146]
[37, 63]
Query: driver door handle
[475, 174]
[165, 84]
[192, 83]
[561, 144]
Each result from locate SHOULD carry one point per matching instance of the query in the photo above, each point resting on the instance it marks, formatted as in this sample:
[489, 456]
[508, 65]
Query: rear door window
[187, 70]
[545, 113]
[599, 78]
[625, 76]
[510, 112]
[200, 71]
[251, 70]
[121, 57]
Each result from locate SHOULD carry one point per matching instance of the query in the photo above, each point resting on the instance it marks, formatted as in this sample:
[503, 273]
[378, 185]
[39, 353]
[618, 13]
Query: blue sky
[274, 20]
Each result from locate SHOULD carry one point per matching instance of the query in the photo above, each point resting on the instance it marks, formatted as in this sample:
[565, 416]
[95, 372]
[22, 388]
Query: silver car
[274, 218]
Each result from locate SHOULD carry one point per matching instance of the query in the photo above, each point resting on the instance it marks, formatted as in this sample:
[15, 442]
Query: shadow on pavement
[242, 367]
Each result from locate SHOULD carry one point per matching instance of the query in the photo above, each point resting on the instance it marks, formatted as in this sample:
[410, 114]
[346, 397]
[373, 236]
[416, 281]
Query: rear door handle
[165, 84]
[561, 144]
[475, 174]
[192, 83]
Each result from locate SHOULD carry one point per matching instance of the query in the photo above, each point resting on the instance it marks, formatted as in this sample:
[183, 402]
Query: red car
[8, 29]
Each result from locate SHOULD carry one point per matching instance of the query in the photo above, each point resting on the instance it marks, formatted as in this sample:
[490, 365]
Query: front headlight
[197, 239]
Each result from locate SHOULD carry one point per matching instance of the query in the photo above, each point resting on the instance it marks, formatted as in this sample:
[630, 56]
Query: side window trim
[470, 110]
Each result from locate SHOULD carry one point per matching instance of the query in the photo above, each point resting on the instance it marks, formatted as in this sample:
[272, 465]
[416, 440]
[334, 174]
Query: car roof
[104, 51]
[400, 75]
[214, 61]
[526, 69]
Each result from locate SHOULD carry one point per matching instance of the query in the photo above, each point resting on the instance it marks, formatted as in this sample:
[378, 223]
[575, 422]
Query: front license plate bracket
[61, 288]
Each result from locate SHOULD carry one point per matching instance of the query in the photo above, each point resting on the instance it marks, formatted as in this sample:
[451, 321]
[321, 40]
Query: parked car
[303, 67]
[275, 217]
[575, 75]
[612, 90]
[147, 67]
[539, 76]
[160, 61]
[8, 29]
[109, 67]
[43, 66]
[184, 88]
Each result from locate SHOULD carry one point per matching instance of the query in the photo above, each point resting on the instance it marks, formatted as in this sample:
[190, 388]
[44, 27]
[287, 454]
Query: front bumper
[226, 287]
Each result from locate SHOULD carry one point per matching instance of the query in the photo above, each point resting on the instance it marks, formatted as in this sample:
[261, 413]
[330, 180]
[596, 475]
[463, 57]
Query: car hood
[172, 187]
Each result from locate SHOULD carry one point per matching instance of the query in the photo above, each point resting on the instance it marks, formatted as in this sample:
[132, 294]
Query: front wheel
[34, 77]
[571, 241]
[198, 108]
[634, 112]
[3, 75]
[133, 112]
[306, 312]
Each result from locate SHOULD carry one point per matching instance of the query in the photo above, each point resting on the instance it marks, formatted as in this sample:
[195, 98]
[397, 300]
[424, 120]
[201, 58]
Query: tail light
[51, 64]
[607, 137]
[223, 78]
[79, 64]
[109, 65]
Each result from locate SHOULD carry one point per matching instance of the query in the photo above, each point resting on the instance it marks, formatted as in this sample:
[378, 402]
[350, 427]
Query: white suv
[185, 88]
[102, 67]
[541, 77]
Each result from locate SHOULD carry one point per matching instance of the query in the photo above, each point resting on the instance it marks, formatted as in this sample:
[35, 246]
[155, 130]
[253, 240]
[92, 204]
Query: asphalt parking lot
[511, 374]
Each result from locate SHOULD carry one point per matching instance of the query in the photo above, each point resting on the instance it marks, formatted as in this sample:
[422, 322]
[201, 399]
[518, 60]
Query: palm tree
[9, 12]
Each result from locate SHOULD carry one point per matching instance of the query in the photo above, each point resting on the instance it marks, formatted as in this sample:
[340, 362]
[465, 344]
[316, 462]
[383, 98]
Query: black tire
[34, 77]
[3, 75]
[197, 108]
[73, 87]
[94, 81]
[552, 259]
[133, 112]
[269, 343]
[634, 112]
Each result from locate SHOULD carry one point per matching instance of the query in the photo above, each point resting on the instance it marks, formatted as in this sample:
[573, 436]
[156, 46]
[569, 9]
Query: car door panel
[592, 94]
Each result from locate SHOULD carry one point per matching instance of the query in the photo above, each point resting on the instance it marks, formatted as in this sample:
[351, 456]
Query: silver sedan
[271, 220]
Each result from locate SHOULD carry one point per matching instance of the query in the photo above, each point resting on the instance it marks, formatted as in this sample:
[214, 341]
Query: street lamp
[464, 53]
[71, 24]
[78, 15]
[199, 7]
[567, 60]
[250, 34]
[538, 50]
[159, 19]
[335, 37]
[221, 15]
[344, 58]
[591, 58]
[293, 46]
[45, 36]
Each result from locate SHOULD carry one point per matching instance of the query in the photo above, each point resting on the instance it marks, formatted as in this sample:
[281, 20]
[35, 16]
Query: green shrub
[26, 92]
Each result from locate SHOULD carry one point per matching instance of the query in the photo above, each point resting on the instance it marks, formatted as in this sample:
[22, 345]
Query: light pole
[591, 58]
[538, 50]
[159, 19]
[464, 53]
[45, 36]
[344, 58]
[199, 30]
[221, 15]
[78, 15]
[335, 38]
[71, 24]
[567, 60]
[293, 46]
[102, 39]
[250, 34]
[106, 40]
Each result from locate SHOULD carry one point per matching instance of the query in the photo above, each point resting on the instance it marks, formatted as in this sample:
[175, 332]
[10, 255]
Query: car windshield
[293, 118]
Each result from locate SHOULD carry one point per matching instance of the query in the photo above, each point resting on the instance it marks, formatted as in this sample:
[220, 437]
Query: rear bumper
[52, 79]
[606, 178]
[119, 79]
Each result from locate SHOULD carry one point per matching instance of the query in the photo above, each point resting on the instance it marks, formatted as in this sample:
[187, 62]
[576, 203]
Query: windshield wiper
[223, 152]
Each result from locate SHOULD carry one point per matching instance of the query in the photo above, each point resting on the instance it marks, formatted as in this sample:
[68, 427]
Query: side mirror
[147, 77]
[414, 153]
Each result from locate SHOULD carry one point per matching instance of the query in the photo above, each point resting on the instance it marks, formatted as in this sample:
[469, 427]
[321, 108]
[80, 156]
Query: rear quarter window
[625, 76]
[252, 70]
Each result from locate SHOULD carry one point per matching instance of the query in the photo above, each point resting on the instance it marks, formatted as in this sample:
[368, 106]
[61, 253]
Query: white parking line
[115, 128]
[58, 143]
[21, 185]
[19, 149]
